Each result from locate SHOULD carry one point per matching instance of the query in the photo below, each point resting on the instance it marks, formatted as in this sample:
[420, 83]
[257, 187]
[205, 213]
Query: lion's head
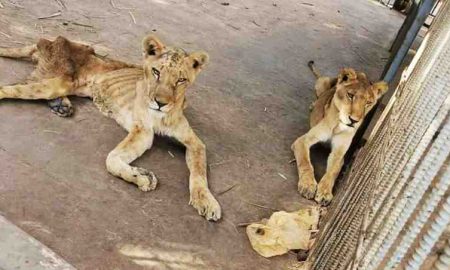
[168, 71]
[355, 96]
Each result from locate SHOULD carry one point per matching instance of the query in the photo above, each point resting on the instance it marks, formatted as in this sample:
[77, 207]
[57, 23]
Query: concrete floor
[20, 251]
[248, 106]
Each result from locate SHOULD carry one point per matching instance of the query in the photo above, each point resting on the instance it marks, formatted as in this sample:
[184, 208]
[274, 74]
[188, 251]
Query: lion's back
[320, 106]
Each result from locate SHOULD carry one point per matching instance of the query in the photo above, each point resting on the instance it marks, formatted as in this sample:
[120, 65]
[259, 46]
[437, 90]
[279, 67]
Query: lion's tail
[314, 69]
[24, 53]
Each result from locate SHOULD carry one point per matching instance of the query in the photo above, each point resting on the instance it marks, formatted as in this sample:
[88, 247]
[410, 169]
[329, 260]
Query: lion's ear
[198, 60]
[346, 75]
[380, 88]
[152, 46]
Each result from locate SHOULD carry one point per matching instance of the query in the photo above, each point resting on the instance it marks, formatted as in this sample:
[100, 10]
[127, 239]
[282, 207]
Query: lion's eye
[350, 96]
[368, 103]
[181, 80]
[155, 73]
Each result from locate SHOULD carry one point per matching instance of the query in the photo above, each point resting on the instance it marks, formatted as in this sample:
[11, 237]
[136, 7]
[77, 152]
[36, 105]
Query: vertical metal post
[409, 29]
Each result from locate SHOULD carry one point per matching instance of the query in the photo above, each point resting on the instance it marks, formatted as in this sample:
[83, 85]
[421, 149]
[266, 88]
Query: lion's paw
[145, 180]
[205, 203]
[323, 196]
[307, 186]
[61, 107]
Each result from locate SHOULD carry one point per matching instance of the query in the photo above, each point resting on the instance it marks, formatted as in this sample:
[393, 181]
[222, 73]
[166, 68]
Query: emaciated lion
[144, 100]
[340, 108]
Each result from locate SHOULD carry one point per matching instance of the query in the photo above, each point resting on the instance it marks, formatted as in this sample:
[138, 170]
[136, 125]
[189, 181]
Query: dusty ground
[248, 106]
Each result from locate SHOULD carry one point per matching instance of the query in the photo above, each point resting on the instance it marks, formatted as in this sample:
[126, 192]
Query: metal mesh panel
[443, 262]
[401, 165]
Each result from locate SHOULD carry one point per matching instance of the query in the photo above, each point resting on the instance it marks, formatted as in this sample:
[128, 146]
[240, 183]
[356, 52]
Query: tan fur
[144, 100]
[341, 105]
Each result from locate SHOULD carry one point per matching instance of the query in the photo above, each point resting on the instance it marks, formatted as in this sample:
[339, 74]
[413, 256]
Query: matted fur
[144, 100]
[341, 106]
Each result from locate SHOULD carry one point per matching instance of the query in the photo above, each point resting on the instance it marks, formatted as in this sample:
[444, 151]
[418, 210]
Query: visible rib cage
[65, 68]
[116, 90]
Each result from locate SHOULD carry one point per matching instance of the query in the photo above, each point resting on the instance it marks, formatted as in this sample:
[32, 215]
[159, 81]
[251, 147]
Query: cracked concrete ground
[248, 106]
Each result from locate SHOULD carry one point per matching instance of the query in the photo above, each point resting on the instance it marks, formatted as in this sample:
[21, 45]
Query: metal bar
[414, 191]
[426, 209]
[431, 237]
[397, 56]
[405, 26]
[443, 262]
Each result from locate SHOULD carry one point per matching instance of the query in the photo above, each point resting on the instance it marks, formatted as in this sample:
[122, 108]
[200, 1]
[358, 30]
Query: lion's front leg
[201, 197]
[307, 184]
[133, 146]
[340, 145]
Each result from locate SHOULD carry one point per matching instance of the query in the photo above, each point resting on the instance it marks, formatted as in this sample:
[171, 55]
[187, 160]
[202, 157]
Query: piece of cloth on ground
[284, 231]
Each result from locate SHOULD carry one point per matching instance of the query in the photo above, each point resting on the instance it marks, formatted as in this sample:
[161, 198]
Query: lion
[145, 100]
[339, 109]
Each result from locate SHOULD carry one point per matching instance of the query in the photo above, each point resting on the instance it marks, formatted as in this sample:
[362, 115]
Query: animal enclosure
[248, 106]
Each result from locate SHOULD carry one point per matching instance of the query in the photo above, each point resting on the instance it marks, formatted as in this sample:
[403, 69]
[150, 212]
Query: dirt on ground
[248, 106]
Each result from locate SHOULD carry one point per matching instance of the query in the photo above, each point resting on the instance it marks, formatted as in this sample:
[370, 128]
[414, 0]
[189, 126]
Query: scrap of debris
[56, 14]
[284, 231]
[211, 165]
[234, 27]
[116, 7]
[227, 189]
[82, 24]
[6, 35]
[263, 206]
[78, 24]
[61, 3]
[16, 5]
[225, 4]
[255, 23]
[132, 17]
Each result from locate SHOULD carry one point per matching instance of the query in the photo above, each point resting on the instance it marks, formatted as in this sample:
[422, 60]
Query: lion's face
[168, 71]
[355, 96]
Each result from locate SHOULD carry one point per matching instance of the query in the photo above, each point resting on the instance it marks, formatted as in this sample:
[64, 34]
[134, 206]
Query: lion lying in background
[144, 100]
[340, 108]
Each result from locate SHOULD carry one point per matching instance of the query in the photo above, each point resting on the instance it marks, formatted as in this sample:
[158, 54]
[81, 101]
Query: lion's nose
[352, 121]
[160, 104]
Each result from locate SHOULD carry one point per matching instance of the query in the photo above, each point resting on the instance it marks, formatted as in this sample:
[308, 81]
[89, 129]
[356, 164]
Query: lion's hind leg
[55, 90]
[22, 52]
[61, 106]
[323, 84]
[43, 89]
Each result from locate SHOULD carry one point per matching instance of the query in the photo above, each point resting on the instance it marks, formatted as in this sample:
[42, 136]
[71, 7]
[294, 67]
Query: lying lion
[341, 105]
[144, 100]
